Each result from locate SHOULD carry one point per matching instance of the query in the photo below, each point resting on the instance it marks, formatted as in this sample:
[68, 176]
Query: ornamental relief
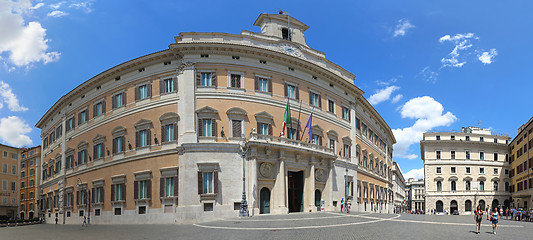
[266, 170]
[320, 175]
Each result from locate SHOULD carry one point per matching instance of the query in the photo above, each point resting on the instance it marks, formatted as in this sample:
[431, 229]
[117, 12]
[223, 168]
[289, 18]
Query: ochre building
[30, 163]
[160, 138]
[522, 167]
[9, 190]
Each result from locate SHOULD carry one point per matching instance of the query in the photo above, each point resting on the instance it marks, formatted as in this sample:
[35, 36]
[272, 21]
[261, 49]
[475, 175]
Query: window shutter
[149, 188]
[163, 134]
[200, 128]
[115, 145]
[161, 86]
[162, 187]
[175, 131]
[92, 195]
[237, 128]
[270, 131]
[215, 182]
[214, 79]
[101, 195]
[136, 93]
[114, 101]
[103, 107]
[79, 158]
[232, 81]
[286, 89]
[123, 191]
[310, 98]
[258, 129]
[86, 158]
[176, 184]
[112, 192]
[214, 127]
[124, 98]
[149, 137]
[94, 151]
[200, 183]
[79, 118]
[94, 110]
[256, 81]
[77, 197]
[351, 189]
[269, 85]
[149, 89]
[198, 78]
[137, 139]
[319, 101]
[123, 144]
[297, 93]
[174, 84]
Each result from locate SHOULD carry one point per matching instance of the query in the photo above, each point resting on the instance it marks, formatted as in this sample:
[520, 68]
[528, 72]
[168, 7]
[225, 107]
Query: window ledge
[207, 196]
[263, 93]
[98, 204]
[118, 201]
[204, 139]
[143, 200]
[81, 205]
[169, 198]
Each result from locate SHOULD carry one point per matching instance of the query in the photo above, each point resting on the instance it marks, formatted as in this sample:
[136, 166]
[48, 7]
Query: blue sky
[424, 65]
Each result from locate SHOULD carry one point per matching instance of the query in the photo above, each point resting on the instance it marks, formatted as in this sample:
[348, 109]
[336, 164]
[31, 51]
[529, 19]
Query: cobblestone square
[326, 225]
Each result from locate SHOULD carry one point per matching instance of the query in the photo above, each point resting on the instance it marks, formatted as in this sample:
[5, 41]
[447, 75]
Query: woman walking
[494, 220]
[478, 217]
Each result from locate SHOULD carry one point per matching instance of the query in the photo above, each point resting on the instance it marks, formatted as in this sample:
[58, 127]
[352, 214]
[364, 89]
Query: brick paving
[291, 226]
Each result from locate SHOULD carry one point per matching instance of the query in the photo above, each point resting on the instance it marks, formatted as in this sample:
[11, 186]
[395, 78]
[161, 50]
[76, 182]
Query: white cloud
[428, 75]
[428, 114]
[402, 27]
[57, 14]
[57, 5]
[462, 43]
[382, 95]
[414, 173]
[24, 43]
[13, 131]
[86, 6]
[387, 83]
[9, 97]
[397, 98]
[488, 57]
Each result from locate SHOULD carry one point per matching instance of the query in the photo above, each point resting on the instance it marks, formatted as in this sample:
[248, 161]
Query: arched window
[468, 206]
[439, 186]
[507, 186]
[454, 186]
[439, 205]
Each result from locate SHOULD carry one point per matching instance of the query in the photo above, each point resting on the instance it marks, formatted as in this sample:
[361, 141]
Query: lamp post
[243, 212]
[88, 200]
[346, 186]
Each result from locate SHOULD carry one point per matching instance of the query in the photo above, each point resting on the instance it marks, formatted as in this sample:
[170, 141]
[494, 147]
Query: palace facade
[9, 191]
[465, 169]
[521, 171]
[163, 138]
[30, 163]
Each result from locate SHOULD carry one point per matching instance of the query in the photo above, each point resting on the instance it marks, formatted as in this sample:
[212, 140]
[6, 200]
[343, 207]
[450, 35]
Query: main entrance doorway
[453, 206]
[295, 191]
[264, 201]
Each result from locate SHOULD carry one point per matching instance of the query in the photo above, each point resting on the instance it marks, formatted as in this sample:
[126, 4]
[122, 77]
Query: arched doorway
[440, 207]
[453, 206]
[318, 196]
[482, 204]
[468, 206]
[495, 203]
[264, 201]
[21, 215]
[506, 203]
[31, 215]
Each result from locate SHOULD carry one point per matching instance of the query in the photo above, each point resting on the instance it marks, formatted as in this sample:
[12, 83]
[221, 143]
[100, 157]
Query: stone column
[327, 194]
[309, 191]
[187, 103]
[253, 188]
[280, 189]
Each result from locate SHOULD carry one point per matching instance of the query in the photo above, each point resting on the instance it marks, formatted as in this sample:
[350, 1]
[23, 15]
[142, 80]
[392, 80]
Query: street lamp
[88, 200]
[243, 212]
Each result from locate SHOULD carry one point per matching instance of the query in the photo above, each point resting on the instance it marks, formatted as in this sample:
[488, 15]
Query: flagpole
[298, 131]
[308, 120]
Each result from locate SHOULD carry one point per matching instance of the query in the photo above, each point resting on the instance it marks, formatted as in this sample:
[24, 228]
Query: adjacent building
[163, 138]
[398, 188]
[465, 169]
[416, 195]
[9, 190]
[521, 169]
[30, 163]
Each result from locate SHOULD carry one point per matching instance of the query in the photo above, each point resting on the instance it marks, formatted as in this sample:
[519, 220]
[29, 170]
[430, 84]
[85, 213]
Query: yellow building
[521, 167]
[9, 190]
[30, 163]
[161, 138]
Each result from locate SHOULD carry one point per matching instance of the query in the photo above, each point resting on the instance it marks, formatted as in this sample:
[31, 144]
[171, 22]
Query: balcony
[289, 144]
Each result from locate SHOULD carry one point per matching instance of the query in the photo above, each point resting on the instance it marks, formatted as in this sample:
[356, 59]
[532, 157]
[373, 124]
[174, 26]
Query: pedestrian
[348, 206]
[487, 210]
[342, 203]
[84, 222]
[478, 217]
[56, 219]
[494, 219]
[507, 213]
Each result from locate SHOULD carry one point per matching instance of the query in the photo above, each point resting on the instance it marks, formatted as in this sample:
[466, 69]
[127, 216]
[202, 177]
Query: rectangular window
[118, 144]
[5, 154]
[236, 127]
[13, 186]
[467, 154]
[347, 152]
[291, 91]
[495, 171]
[82, 157]
[143, 92]
[452, 169]
[438, 154]
[235, 80]
[331, 106]
[315, 99]
[143, 189]
[438, 137]
[70, 124]
[207, 182]
[142, 209]
[118, 211]
[481, 139]
[263, 129]
[495, 140]
[452, 137]
[286, 34]
[169, 133]
[143, 138]
[332, 144]
[291, 133]
[168, 85]
[98, 151]
[99, 109]
[59, 131]
[439, 170]
[69, 161]
[452, 154]
[481, 156]
[13, 169]
[118, 192]
[98, 195]
[4, 168]
[262, 85]
[467, 138]
[83, 117]
[4, 185]
[482, 170]
[118, 100]
[52, 139]
[346, 113]
[169, 187]
[205, 79]
[207, 128]
[467, 170]
[495, 156]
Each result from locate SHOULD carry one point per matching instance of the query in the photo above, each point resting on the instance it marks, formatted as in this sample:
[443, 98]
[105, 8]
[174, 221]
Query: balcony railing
[254, 137]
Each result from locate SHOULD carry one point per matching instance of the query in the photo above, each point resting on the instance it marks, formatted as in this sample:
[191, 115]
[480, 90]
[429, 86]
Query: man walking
[84, 222]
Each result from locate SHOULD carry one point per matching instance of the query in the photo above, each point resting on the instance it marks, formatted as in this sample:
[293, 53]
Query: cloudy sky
[424, 65]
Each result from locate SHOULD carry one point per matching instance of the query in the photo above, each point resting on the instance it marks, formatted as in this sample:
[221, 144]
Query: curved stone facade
[158, 139]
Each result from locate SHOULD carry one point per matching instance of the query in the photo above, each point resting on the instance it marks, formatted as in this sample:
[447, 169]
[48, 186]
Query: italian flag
[286, 119]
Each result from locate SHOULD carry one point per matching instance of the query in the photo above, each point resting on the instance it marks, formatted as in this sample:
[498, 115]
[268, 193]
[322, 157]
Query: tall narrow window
[481, 156]
[236, 127]
[438, 154]
[118, 144]
[467, 153]
[291, 91]
[286, 34]
[346, 113]
[331, 106]
[235, 80]
[263, 128]
[207, 128]
[169, 187]
[481, 185]
[70, 124]
[99, 108]
[454, 186]
[496, 157]
[207, 182]
[143, 138]
[168, 85]
[205, 79]
[262, 84]
[143, 92]
[452, 153]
